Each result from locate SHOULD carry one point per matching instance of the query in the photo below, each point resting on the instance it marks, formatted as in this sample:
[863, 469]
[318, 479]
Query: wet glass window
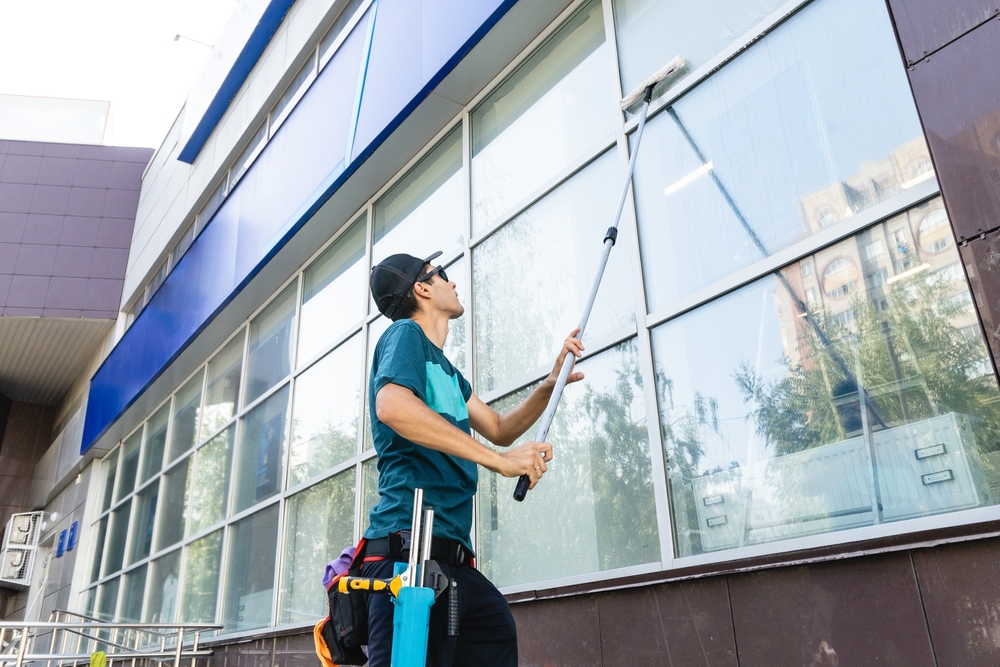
[529, 297]
[164, 586]
[600, 512]
[156, 443]
[130, 463]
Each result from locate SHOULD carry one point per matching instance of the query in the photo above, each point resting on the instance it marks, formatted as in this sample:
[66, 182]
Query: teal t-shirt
[406, 357]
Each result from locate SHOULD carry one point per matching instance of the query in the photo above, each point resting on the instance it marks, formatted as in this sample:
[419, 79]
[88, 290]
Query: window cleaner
[644, 92]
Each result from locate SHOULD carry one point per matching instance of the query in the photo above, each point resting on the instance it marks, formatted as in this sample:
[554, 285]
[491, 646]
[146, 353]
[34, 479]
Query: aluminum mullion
[360, 442]
[834, 234]
[586, 158]
[337, 342]
[731, 52]
[321, 477]
[576, 580]
[629, 234]
[541, 372]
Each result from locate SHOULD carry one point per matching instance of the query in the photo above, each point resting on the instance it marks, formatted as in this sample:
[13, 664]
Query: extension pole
[646, 93]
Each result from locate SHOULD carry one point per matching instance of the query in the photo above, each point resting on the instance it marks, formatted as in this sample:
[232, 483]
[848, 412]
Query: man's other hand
[529, 459]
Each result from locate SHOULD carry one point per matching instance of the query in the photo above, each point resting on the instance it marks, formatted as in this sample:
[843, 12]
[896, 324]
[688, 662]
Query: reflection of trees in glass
[912, 361]
[208, 493]
[369, 490]
[329, 445]
[511, 256]
[598, 496]
[201, 578]
[320, 525]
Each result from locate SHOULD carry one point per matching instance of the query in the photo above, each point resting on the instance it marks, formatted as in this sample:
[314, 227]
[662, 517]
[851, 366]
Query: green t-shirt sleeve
[464, 385]
[402, 361]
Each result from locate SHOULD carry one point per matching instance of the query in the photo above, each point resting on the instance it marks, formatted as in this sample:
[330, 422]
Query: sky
[122, 51]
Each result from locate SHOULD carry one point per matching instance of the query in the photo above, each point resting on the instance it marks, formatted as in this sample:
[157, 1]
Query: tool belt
[397, 545]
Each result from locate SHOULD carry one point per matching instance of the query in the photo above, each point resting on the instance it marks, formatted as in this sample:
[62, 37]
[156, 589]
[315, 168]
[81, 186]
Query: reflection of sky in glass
[651, 33]
[454, 344]
[810, 126]
[423, 212]
[532, 277]
[324, 418]
[549, 112]
[223, 391]
[333, 293]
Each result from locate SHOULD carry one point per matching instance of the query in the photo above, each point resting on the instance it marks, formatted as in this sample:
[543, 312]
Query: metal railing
[68, 639]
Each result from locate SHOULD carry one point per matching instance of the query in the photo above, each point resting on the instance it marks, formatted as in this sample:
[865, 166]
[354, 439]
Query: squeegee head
[660, 75]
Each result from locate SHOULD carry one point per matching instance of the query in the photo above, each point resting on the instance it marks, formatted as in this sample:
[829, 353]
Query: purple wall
[66, 218]
[952, 52]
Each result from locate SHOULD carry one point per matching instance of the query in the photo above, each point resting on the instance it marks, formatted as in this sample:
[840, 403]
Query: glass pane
[333, 293]
[325, 415]
[424, 212]
[211, 488]
[369, 490]
[100, 533]
[319, 525]
[143, 521]
[89, 601]
[107, 599]
[375, 331]
[156, 441]
[163, 583]
[262, 446]
[271, 344]
[594, 510]
[338, 27]
[454, 344]
[187, 402]
[651, 33]
[223, 392]
[201, 579]
[130, 463]
[246, 158]
[110, 475]
[869, 405]
[176, 491]
[253, 546]
[135, 588]
[552, 109]
[806, 128]
[528, 298]
[117, 534]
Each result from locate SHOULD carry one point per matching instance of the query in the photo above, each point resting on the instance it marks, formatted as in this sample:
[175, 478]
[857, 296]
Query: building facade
[786, 449]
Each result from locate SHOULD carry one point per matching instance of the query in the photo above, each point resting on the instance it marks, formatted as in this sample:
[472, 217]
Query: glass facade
[783, 352]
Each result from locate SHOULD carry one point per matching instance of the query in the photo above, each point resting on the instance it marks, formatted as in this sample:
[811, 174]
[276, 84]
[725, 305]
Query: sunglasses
[430, 274]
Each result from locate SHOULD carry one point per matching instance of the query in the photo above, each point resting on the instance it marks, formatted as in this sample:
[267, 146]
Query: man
[421, 412]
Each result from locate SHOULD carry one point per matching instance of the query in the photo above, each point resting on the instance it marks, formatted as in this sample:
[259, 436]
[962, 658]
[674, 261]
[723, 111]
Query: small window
[840, 278]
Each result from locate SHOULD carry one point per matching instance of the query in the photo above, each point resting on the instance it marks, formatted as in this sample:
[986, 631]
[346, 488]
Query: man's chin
[458, 313]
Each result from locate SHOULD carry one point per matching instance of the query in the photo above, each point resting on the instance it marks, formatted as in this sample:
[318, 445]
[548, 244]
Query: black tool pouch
[346, 629]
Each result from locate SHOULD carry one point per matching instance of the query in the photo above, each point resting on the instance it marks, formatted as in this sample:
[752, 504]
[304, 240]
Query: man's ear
[421, 290]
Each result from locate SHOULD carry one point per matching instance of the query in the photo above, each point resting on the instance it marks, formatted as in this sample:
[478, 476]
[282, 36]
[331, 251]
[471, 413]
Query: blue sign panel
[391, 61]
[61, 546]
[71, 540]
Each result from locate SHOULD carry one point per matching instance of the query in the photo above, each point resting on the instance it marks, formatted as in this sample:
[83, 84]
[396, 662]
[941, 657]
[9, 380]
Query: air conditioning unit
[20, 543]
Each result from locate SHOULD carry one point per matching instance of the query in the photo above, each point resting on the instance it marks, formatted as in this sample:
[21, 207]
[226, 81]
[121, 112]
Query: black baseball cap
[393, 277]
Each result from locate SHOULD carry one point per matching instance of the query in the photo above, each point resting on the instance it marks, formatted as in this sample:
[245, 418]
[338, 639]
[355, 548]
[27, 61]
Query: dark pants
[486, 633]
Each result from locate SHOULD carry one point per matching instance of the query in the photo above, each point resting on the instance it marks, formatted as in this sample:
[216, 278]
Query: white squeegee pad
[667, 70]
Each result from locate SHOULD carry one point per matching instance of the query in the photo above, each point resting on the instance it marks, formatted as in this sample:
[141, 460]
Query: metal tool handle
[521, 490]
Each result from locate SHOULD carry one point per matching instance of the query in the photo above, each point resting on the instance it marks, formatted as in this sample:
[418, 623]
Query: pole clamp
[612, 234]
